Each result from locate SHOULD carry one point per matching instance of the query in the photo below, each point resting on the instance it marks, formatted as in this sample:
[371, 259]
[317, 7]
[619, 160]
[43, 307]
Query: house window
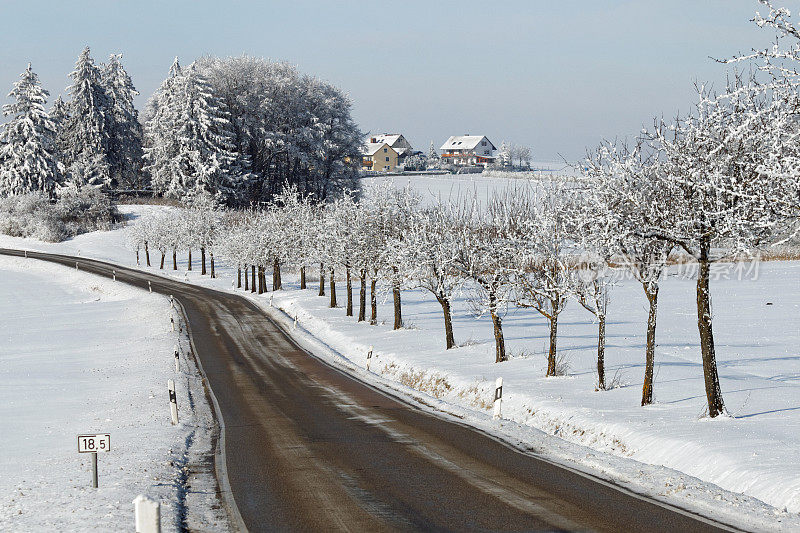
[483, 143]
[385, 150]
[486, 152]
[387, 159]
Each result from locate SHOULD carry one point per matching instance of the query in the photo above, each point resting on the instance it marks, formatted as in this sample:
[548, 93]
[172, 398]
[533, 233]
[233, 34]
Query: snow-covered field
[668, 449]
[82, 354]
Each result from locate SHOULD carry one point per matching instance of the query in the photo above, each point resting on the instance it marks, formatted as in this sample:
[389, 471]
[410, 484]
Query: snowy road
[308, 447]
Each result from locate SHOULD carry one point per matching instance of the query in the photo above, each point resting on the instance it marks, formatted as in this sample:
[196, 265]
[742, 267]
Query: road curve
[311, 448]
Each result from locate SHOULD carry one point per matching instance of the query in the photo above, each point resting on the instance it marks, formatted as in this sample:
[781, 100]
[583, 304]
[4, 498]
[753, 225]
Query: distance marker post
[173, 402]
[93, 444]
[498, 398]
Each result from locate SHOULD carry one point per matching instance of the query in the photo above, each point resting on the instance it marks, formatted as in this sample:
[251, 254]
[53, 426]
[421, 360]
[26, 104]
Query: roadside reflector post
[270, 300]
[76, 266]
[295, 321]
[172, 301]
[172, 322]
[173, 402]
[498, 397]
[177, 359]
[369, 357]
[26, 254]
[149, 286]
[147, 515]
[114, 274]
[92, 444]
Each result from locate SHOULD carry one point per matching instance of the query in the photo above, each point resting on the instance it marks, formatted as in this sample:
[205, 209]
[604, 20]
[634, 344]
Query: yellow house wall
[379, 161]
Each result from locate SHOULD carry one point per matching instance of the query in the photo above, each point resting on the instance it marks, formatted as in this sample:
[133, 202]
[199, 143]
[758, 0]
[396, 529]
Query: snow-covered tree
[538, 221]
[625, 194]
[161, 127]
[433, 157]
[125, 131]
[28, 162]
[485, 255]
[428, 253]
[199, 145]
[504, 155]
[86, 133]
[712, 189]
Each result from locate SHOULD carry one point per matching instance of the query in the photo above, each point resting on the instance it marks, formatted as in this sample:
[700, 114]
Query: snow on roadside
[82, 354]
[668, 450]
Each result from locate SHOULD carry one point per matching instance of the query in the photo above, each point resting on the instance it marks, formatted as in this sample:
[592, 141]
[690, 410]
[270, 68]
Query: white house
[466, 150]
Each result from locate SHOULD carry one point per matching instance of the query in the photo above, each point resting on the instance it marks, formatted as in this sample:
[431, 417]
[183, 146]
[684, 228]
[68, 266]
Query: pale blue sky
[557, 76]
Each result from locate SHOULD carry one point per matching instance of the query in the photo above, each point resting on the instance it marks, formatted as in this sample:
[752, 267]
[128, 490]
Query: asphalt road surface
[309, 448]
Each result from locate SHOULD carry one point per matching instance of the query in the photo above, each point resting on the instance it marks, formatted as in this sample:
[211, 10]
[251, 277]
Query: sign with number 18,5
[94, 443]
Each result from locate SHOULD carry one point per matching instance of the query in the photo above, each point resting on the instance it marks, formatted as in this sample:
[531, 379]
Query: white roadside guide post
[172, 322]
[147, 515]
[114, 274]
[369, 357]
[149, 286]
[76, 265]
[177, 359]
[173, 402]
[498, 397]
[93, 444]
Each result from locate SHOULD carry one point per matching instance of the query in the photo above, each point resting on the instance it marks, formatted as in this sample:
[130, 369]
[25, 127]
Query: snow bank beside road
[82, 354]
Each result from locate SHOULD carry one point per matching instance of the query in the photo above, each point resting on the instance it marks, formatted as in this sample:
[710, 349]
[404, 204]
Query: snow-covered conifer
[125, 130]
[28, 162]
[86, 134]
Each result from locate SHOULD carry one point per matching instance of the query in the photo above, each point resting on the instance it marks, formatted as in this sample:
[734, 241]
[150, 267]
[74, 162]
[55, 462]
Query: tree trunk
[253, 280]
[321, 279]
[450, 339]
[261, 280]
[373, 302]
[601, 352]
[202, 260]
[398, 314]
[246, 278]
[704, 322]
[349, 311]
[190, 259]
[551, 353]
[239, 278]
[174, 259]
[650, 350]
[212, 265]
[497, 323]
[147, 253]
[362, 297]
[163, 254]
[499, 341]
[333, 289]
[302, 277]
[276, 275]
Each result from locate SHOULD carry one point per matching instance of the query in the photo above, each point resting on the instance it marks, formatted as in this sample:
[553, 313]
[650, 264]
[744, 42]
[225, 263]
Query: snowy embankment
[669, 450]
[82, 354]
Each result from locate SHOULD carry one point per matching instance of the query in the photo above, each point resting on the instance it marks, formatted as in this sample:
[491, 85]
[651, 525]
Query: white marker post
[26, 254]
[369, 357]
[93, 444]
[177, 359]
[172, 322]
[172, 301]
[150, 286]
[76, 266]
[147, 515]
[114, 274]
[498, 397]
[295, 321]
[173, 402]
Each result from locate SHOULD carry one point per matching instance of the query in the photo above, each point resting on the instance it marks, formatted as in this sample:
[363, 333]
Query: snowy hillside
[81, 354]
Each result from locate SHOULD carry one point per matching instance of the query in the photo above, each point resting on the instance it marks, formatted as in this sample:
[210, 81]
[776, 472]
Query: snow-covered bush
[75, 212]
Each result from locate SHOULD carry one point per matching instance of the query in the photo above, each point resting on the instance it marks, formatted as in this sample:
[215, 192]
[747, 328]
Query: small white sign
[94, 443]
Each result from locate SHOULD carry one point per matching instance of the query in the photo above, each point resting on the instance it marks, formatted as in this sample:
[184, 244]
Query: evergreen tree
[433, 156]
[163, 114]
[207, 160]
[125, 131]
[27, 141]
[86, 135]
